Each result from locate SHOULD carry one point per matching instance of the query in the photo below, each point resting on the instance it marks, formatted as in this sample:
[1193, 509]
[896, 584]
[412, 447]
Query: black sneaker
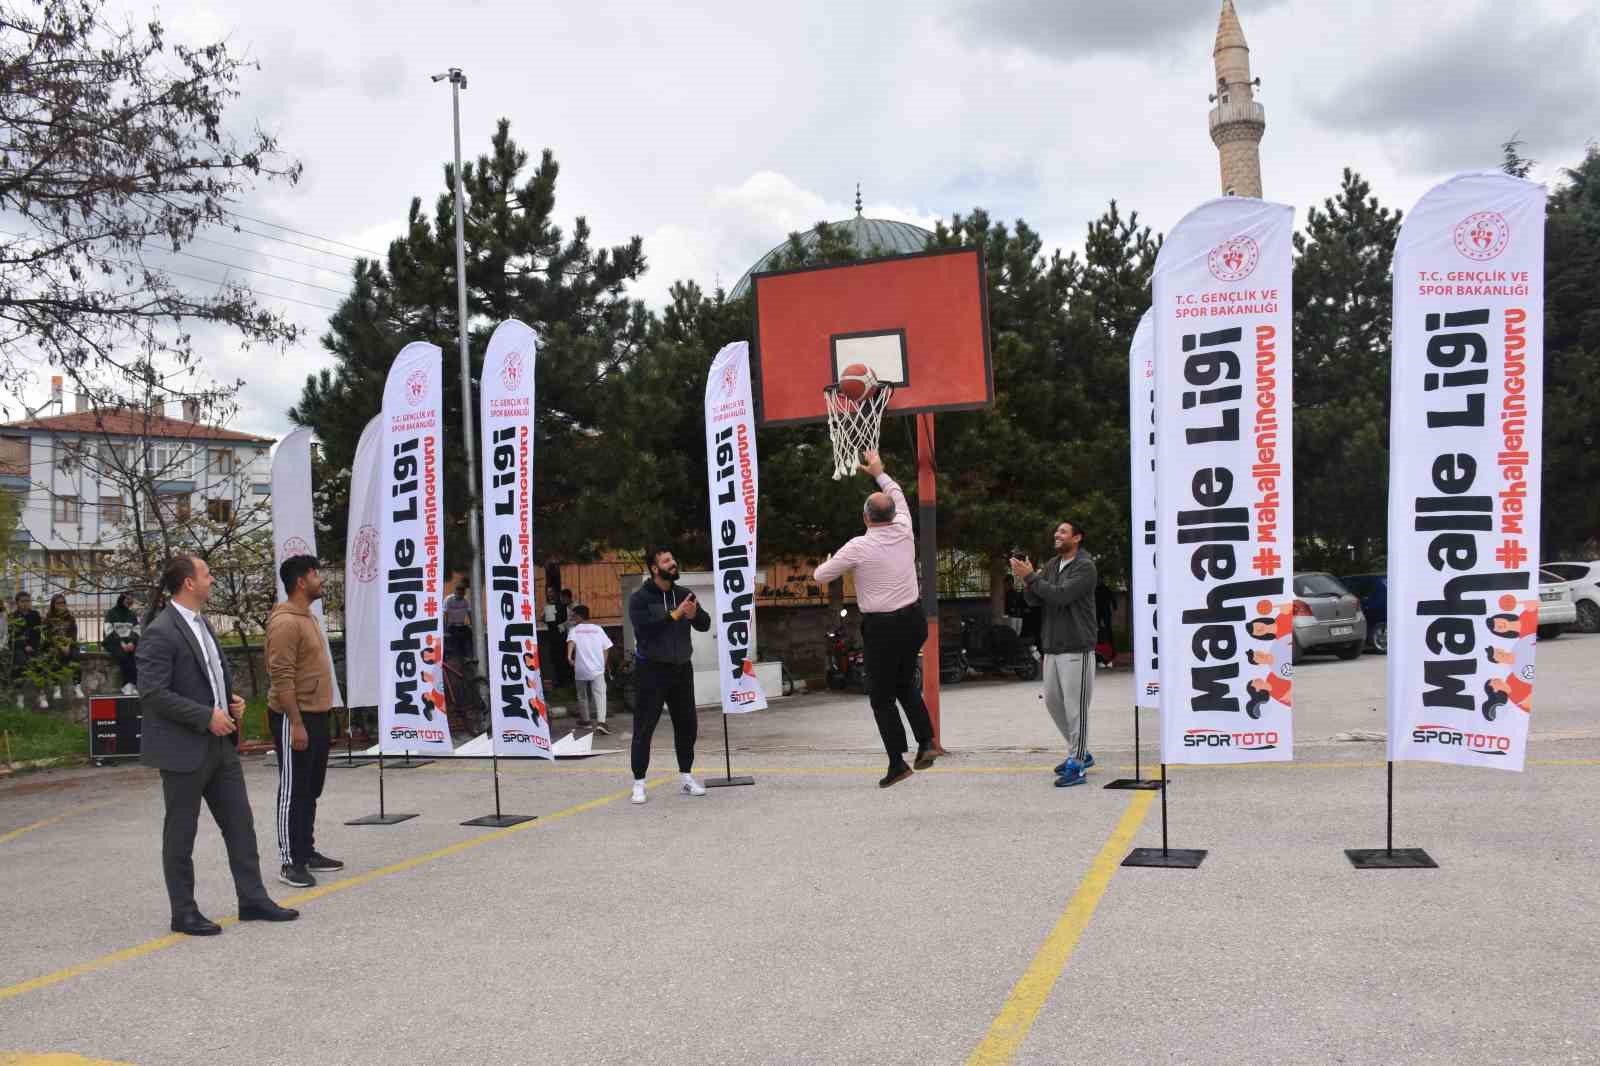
[600, 727]
[296, 876]
[320, 863]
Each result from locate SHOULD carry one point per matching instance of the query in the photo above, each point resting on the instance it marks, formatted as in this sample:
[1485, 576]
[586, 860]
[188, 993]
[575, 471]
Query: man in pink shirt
[893, 626]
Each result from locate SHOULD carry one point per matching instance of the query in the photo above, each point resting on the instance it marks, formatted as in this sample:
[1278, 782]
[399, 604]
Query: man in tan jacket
[297, 711]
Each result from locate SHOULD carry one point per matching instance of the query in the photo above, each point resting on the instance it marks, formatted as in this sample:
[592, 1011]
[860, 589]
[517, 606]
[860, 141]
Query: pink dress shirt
[884, 559]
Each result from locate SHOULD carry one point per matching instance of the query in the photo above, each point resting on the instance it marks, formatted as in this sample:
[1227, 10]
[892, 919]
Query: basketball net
[853, 425]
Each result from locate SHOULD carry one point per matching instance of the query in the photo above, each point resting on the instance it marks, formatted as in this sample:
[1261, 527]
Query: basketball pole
[926, 505]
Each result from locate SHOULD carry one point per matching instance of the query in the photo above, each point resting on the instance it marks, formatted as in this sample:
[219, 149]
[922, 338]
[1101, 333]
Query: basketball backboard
[920, 322]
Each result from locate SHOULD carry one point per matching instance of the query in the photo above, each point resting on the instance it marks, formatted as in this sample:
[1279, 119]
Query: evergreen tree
[1342, 310]
[520, 264]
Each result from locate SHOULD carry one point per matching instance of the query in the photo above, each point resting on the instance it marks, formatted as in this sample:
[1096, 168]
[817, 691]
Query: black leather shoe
[195, 924]
[926, 753]
[267, 912]
[895, 776]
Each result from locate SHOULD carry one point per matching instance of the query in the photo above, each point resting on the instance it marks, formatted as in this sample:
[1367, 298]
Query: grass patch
[42, 736]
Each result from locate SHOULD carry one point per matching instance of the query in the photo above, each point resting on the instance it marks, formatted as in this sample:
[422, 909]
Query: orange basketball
[857, 382]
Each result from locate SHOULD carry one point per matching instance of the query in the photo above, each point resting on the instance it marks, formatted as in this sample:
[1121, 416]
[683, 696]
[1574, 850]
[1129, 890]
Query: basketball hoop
[853, 425]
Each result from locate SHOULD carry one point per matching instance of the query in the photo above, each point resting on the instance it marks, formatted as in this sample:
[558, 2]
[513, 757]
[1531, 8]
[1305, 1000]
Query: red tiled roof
[124, 423]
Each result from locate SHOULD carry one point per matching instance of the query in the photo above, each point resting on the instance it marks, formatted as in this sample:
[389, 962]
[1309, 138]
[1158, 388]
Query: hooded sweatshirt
[656, 637]
[297, 661]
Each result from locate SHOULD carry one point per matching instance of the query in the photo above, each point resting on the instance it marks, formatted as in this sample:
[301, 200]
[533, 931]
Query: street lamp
[458, 81]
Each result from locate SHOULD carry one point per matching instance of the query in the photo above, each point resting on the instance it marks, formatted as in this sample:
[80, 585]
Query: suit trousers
[219, 781]
[891, 642]
[301, 775]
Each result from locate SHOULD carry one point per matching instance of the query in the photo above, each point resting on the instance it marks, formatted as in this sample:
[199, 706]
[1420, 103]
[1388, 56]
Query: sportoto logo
[1234, 259]
[1482, 236]
[416, 387]
[511, 371]
[364, 563]
[1451, 737]
[292, 547]
[1261, 740]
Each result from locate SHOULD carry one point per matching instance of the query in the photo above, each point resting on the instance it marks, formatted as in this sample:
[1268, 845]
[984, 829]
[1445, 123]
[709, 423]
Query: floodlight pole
[480, 627]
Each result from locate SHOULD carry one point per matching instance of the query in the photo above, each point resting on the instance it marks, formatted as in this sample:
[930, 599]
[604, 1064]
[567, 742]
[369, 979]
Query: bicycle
[466, 696]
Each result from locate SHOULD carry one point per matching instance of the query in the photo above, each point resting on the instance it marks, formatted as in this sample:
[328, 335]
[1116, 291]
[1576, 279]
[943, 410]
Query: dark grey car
[1327, 617]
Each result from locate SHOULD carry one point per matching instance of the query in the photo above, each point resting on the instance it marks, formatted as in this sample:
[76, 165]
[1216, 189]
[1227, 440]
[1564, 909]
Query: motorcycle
[847, 663]
[995, 648]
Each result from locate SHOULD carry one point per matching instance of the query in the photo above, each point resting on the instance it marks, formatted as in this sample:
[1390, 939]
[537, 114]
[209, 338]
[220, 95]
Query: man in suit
[184, 684]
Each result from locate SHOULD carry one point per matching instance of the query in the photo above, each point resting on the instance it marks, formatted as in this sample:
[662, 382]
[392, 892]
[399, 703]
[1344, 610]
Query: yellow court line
[15, 833]
[151, 946]
[1027, 998]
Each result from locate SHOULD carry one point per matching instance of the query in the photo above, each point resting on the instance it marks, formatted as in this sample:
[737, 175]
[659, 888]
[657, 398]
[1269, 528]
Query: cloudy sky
[713, 129]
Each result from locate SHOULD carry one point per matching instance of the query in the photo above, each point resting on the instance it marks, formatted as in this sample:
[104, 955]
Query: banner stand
[727, 759]
[497, 819]
[382, 817]
[1164, 857]
[1390, 857]
[1138, 780]
[349, 762]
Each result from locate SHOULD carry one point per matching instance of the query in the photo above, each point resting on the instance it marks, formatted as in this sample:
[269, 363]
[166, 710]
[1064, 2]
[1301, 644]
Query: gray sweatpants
[1068, 690]
[592, 700]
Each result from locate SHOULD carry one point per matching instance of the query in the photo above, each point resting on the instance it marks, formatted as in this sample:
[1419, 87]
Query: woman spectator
[122, 642]
[61, 638]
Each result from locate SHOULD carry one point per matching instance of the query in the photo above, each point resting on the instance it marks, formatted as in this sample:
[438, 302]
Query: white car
[1557, 611]
[1582, 580]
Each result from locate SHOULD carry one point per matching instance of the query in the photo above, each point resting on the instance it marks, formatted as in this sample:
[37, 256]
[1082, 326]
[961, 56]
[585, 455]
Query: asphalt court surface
[969, 914]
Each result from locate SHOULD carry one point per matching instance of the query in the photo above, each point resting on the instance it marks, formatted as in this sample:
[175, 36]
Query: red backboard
[920, 321]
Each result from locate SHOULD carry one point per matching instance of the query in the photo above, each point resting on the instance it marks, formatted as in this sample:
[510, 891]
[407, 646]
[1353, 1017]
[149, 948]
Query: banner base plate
[500, 821]
[347, 764]
[1390, 859]
[725, 782]
[1143, 784]
[1171, 859]
[401, 764]
[381, 819]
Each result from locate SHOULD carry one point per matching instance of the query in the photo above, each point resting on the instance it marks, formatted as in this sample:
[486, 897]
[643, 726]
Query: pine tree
[1342, 309]
[520, 264]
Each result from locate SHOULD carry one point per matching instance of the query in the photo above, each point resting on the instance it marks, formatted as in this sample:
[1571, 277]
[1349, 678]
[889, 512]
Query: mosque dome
[869, 236]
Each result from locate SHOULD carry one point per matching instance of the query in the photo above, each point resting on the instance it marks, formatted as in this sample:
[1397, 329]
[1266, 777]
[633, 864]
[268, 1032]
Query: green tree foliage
[521, 265]
[1572, 364]
[1342, 311]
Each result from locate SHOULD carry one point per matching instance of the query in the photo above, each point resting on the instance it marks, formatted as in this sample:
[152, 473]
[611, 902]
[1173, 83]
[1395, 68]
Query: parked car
[1373, 590]
[1583, 581]
[1327, 618]
[1557, 611]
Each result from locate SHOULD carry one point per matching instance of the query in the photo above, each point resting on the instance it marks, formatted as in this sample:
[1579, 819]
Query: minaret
[1237, 122]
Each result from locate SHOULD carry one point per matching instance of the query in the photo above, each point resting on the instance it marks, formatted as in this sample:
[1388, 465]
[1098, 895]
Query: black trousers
[891, 642]
[671, 684]
[301, 775]
[128, 664]
[220, 783]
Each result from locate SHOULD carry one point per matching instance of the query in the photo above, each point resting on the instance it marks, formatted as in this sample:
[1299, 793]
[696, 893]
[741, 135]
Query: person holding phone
[662, 615]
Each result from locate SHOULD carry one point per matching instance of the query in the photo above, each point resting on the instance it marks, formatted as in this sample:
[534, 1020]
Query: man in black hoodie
[662, 615]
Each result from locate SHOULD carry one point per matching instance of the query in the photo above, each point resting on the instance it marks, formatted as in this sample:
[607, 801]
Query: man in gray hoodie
[1064, 588]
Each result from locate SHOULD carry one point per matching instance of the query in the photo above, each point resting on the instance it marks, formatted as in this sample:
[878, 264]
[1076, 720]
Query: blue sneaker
[1073, 776]
[1088, 759]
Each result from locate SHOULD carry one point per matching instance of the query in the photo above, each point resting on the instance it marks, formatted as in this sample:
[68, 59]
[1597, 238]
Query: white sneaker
[638, 792]
[129, 690]
[691, 787]
[77, 690]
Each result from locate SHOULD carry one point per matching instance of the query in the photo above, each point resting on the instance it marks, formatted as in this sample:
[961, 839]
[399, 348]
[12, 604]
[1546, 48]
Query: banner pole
[1389, 857]
[727, 759]
[1164, 857]
[383, 817]
[1137, 781]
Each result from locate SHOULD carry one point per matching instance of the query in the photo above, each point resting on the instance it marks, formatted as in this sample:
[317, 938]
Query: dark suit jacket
[175, 693]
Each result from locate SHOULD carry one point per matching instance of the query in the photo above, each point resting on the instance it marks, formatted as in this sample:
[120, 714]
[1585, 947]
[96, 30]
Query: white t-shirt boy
[590, 645]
